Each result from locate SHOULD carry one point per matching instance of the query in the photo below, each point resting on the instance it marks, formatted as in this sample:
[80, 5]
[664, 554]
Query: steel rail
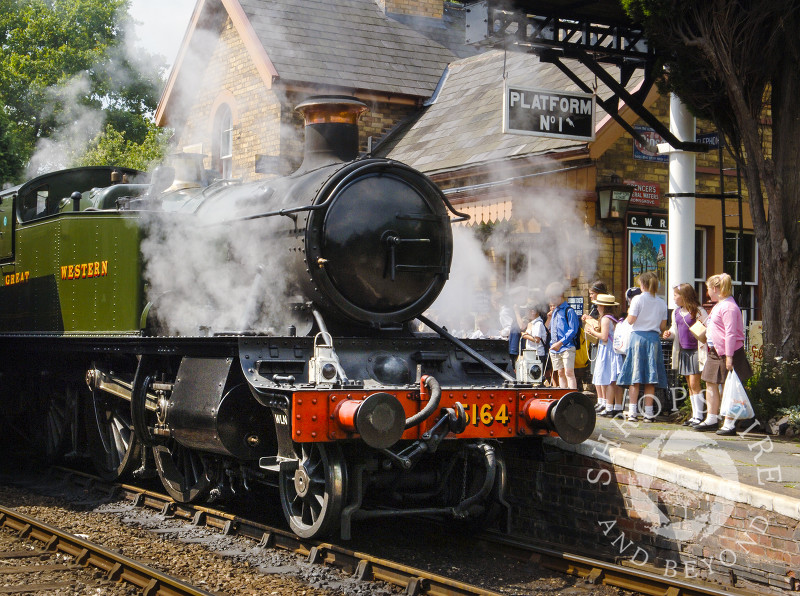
[116, 566]
[644, 579]
[363, 566]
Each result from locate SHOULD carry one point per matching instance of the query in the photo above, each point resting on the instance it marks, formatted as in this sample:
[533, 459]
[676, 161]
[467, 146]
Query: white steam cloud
[206, 277]
[77, 125]
[557, 247]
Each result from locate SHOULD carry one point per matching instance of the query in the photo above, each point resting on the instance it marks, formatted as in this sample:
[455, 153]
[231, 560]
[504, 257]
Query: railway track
[638, 579]
[59, 572]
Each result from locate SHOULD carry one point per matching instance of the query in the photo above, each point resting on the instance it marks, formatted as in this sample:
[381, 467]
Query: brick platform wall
[601, 510]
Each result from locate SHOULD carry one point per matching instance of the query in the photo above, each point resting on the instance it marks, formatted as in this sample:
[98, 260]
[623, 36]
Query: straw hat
[605, 300]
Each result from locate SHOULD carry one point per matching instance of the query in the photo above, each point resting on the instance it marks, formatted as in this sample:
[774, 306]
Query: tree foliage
[62, 59]
[112, 148]
[10, 161]
[734, 62]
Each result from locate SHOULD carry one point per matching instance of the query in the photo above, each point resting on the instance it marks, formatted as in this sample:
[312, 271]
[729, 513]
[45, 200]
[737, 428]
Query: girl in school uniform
[535, 334]
[686, 350]
[644, 361]
[608, 363]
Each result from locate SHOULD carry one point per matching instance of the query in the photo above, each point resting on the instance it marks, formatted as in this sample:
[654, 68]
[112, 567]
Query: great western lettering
[20, 277]
[84, 270]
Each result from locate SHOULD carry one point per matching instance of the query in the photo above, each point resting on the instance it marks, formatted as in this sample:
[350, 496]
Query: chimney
[331, 125]
[415, 8]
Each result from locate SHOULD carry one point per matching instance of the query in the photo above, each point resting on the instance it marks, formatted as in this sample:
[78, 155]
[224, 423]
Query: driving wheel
[113, 446]
[186, 475]
[312, 496]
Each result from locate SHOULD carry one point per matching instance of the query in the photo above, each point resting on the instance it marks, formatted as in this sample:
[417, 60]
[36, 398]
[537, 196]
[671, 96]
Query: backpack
[582, 349]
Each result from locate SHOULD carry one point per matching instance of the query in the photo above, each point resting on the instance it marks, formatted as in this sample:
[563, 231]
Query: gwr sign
[559, 114]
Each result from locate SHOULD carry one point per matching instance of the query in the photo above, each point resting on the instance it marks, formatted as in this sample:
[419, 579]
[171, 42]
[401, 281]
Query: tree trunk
[780, 265]
[770, 159]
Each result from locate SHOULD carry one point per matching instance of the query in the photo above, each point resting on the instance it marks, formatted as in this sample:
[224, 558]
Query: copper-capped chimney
[331, 125]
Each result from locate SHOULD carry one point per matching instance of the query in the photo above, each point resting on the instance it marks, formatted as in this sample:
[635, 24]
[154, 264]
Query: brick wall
[595, 508]
[231, 76]
[265, 122]
[708, 211]
[619, 157]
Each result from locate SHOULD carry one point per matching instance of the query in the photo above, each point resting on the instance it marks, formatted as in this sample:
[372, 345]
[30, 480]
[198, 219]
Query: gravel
[200, 556]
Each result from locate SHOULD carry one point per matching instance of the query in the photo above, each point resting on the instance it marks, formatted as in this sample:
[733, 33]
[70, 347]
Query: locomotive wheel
[58, 407]
[46, 415]
[113, 446]
[312, 496]
[185, 474]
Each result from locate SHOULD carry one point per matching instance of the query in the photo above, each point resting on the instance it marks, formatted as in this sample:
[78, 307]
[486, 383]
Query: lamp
[613, 198]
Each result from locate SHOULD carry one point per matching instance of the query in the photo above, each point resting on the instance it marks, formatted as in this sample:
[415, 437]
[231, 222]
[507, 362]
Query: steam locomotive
[220, 335]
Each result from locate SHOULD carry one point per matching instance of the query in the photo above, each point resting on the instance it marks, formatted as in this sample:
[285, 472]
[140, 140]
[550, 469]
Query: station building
[437, 105]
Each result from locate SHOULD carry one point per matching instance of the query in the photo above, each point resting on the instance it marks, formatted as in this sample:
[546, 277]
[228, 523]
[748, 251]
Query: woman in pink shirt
[725, 336]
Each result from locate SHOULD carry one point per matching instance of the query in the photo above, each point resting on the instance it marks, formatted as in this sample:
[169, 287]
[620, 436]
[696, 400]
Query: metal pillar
[680, 246]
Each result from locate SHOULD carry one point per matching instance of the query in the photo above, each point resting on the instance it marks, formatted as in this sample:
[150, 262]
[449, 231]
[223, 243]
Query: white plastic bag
[622, 337]
[735, 403]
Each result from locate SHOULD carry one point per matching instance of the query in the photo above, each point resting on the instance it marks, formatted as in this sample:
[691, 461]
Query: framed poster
[647, 251]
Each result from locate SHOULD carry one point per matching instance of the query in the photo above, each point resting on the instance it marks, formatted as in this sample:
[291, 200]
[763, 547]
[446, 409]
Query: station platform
[697, 504]
[765, 468]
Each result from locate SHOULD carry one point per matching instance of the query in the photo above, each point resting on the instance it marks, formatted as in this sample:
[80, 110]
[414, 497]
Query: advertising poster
[648, 152]
[647, 251]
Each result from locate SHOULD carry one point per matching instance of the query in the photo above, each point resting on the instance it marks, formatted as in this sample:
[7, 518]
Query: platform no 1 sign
[539, 112]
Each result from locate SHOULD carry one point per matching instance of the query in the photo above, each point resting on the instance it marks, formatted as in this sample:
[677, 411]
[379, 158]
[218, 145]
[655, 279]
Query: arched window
[223, 141]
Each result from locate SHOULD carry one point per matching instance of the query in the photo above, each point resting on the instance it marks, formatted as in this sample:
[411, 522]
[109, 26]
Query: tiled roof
[346, 43]
[449, 30]
[464, 125]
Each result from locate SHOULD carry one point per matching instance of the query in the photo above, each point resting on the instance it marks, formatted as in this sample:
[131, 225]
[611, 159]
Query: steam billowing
[204, 276]
[77, 126]
[560, 248]
[78, 123]
[207, 274]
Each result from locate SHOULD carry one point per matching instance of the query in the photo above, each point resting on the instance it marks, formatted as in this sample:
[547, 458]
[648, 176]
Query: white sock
[632, 409]
[601, 401]
[618, 407]
[702, 408]
[730, 423]
[648, 411]
[711, 419]
[697, 406]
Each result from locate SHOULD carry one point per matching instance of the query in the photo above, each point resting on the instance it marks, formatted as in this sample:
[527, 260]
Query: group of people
[548, 325]
[551, 328]
[705, 352]
[641, 367]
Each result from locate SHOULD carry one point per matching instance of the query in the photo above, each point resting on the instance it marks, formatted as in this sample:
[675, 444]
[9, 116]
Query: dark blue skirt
[644, 362]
